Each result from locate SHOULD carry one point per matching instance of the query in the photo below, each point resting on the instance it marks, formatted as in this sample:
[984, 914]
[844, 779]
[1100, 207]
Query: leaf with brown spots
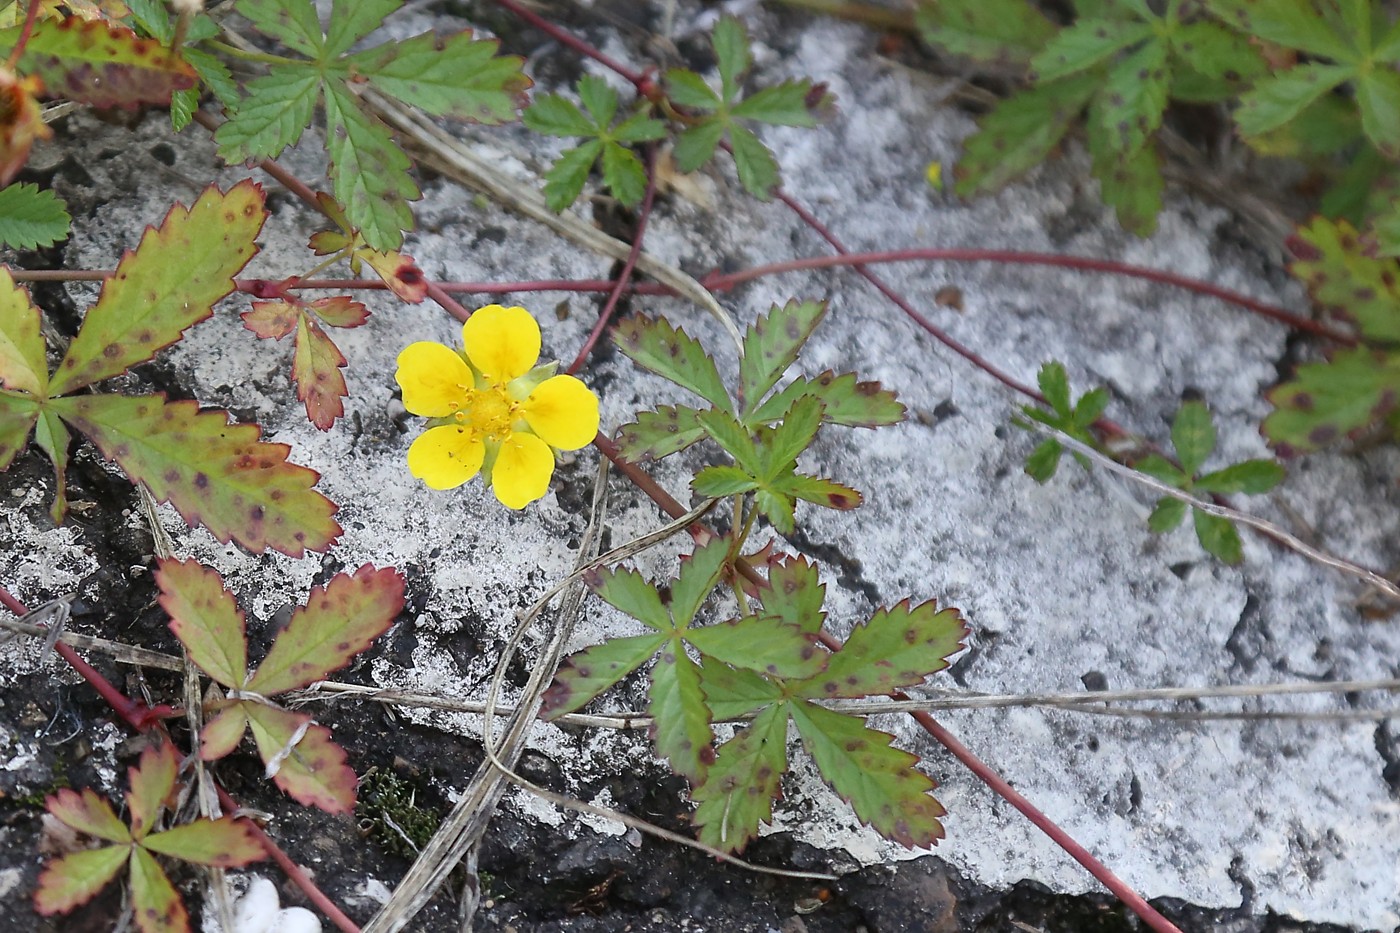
[897, 648]
[338, 621]
[155, 904]
[671, 353]
[22, 122]
[23, 366]
[878, 780]
[98, 63]
[153, 297]
[765, 644]
[205, 618]
[272, 320]
[660, 433]
[302, 759]
[742, 784]
[222, 843]
[680, 727]
[76, 878]
[340, 311]
[152, 784]
[771, 345]
[215, 473]
[845, 400]
[794, 593]
[316, 369]
[593, 670]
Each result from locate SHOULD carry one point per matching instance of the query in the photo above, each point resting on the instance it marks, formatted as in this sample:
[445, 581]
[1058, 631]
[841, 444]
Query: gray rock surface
[1061, 584]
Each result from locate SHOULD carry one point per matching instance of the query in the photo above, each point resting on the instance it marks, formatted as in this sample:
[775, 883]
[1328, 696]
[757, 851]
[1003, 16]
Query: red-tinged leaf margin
[339, 620]
[88, 813]
[205, 618]
[76, 878]
[223, 843]
[742, 784]
[186, 457]
[271, 320]
[313, 772]
[898, 647]
[23, 366]
[155, 903]
[399, 272]
[340, 311]
[23, 122]
[151, 783]
[680, 726]
[100, 63]
[589, 672]
[316, 369]
[221, 734]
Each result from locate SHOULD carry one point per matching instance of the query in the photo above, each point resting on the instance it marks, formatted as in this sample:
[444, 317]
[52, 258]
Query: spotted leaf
[222, 843]
[654, 344]
[205, 618]
[302, 759]
[765, 644]
[742, 784]
[897, 648]
[100, 63]
[1326, 402]
[76, 878]
[680, 727]
[771, 345]
[316, 369]
[155, 903]
[593, 670]
[660, 433]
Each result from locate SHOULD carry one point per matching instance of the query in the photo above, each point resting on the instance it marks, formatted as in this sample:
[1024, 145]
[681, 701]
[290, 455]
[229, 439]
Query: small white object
[259, 911]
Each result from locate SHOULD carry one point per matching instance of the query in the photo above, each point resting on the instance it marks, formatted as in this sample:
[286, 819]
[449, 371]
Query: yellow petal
[434, 379]
[563, 412]
[522, 471]
[502, 342]
[446, 457]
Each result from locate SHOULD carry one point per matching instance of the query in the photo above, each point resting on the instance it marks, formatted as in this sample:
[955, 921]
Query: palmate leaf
[99, 63]
[215, 473]
[743, 782]
[1328, 401]
[222, 843]
[155, 903]
[150, 300]
[339, 621]
[680, 727]
[1086, 43]
[771, 345]
[1293, 24]
[879, 781]
[846, 401]
[76, 878]
[1342, 278]
[31, 217]
[302, 759]
[671, 353]
[761, 643]
[898, 647]
[660, 433]
[593, 670]
[206, 619]
[1020, 132]
[456, 76]
[1281, 97]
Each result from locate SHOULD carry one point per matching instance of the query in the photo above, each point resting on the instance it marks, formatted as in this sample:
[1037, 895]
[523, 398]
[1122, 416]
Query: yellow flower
[494, 411]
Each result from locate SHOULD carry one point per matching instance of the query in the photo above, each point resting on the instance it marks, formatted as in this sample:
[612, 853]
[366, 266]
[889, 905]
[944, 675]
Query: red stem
[31, 16]
[625, 275]
[566, 38]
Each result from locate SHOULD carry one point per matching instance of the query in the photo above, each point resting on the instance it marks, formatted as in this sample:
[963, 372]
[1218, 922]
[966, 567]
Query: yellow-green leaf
[222, 843]
[302, 759]
[206, 619]
[23, 367]
[76, 878]
[155, 903]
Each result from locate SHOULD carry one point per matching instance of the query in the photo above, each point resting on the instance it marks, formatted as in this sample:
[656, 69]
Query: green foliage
[456, 76]
[623, 172]
[339, 621]
[1354, 388]
[31, 218]
[215, 473]
[765, 454]
[1193, 438]
[1073, 418]
[711, 116]
[71, 880]
[389, 813]
[152, 18]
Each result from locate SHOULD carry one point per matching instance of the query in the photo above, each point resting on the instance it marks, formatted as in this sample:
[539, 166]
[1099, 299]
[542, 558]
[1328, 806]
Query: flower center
[492, 412]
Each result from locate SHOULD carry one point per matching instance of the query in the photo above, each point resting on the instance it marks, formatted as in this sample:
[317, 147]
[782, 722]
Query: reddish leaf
[76, 878]
[152, 785]
[271, 319]
[87, 813]
[312, 769]
[206, 619]
[101, 64]
[338, 621]
[398, 271]
[21, 122]
[340, 311]
[222, 734]
[154, 902]
[222, 843]
[316, 370]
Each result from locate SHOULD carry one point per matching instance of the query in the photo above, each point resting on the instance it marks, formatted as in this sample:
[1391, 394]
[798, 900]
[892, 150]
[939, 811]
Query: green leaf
[624, 174]
[76, 878]
[352, 20]
[18, 414]
[1166, 515]
[1325, 127]
[793, 435]
[639, 128]
[1326, 401]
[154, 901]
[1378, 97]
[743, 782]
[277, 109]
[879, 781]
[1279, 98]
[1343, 279]
[784, 104]
[1388, 47]
[564, 181]
[1020, 132]
[53, 439]
[771, 345]
[457, 76]
[696, 145]
[369, 174]
[794, 593]
[1054, 385]
[818, 491]
[1042, 462]
[589, 672]
[986, 30]
[316, 369]
[848, 402]
[757, 168]
[680, 727]
[1133, 188]
[700, 572]
[292, 22]
[205, 618]
[150, 301]
[312, 770]
[765, 644]
[221, 734]
[1090, 406]
[1251, 477]
[671, 353]
[88, 813]
[1134, 97]
[99, 63]
[222, 843]
[152, 785]
[732, 692]
[1159, 467]
[1085, 44]
[660, 433]
[777, 508]
[1218, 536]
[1216, 52]
[215, 473]
[555, 115]
[1293, 24]
[717, 482]
[1193, 436]
[598, 98]
[734, 438]
[628, 591]
[23, 364]
[897, 648]
[339, 621]
[688, 89]
[30, 217]
[731, 44]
